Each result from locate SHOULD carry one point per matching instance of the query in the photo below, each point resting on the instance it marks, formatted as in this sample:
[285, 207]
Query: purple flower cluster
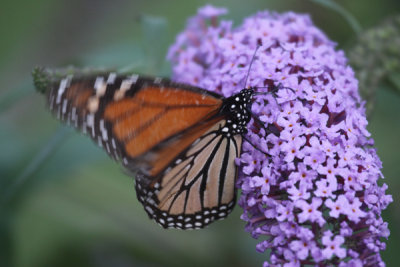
[310, 189]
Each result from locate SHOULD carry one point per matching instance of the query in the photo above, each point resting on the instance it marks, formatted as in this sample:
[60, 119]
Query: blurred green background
[63, 202]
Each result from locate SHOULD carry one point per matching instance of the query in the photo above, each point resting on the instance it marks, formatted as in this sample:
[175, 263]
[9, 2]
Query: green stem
[36, 162]
[351, 20]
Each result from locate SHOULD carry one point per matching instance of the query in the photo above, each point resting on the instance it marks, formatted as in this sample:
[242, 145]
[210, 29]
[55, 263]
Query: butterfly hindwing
[199, 185]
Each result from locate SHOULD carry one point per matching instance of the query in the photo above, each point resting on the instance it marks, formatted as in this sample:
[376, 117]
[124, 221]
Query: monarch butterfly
[180, 140]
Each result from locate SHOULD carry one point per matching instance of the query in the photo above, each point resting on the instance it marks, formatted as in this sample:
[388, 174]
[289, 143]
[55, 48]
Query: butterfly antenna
[251, 63]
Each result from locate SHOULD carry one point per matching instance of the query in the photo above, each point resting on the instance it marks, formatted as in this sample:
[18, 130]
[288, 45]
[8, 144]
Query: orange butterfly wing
[131, 115]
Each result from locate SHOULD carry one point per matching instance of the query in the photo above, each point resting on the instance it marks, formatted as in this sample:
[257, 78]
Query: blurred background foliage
[64, 203]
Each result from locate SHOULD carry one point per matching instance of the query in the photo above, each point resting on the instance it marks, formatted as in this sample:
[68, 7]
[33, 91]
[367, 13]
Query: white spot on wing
[111, 78]
[93, 104]
[64, 107]
[63, 85]
[125, 86]
[150, 210]
[73, 114]
[113, 143]
[90, 120]
[103, 131]
[100, 86]
[134, 78]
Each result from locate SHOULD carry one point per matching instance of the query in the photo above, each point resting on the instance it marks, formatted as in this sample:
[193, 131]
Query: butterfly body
[180, 140]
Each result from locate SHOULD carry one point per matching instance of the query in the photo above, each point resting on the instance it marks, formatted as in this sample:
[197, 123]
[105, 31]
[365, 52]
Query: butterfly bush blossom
[309, 178]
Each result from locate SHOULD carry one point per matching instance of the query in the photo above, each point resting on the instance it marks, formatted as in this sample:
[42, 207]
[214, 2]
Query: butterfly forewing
[129, 115]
